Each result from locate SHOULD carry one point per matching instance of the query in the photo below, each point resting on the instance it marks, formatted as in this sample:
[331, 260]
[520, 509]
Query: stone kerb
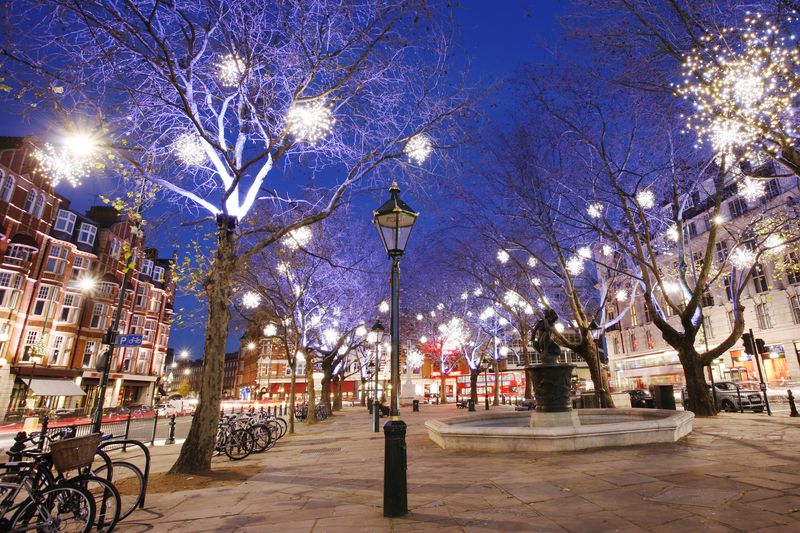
[599, 428]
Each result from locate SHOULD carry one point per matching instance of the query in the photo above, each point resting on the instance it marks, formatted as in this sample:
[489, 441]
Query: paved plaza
[736, 472]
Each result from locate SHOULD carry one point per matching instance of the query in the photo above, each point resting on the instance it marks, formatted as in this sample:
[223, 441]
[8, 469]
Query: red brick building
[60, 277]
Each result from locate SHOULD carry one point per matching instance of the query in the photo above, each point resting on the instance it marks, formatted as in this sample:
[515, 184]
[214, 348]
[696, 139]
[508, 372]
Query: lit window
[65, 221]
[9, 289]
[116, 248]
[87, 234]
[7, 188]
[760, 279]
[158, 274]
[57, 260]
[30, 202]
[795, 302]
[88, 354]
[762, 313]
[147, 268]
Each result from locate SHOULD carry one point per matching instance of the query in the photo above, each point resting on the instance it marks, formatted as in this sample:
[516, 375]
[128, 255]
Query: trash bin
[471, 404]
[664, 397]
[589, 401]
[415, 406]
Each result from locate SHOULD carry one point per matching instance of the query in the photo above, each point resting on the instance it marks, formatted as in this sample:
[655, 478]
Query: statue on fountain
[551, 379]
[542, 338]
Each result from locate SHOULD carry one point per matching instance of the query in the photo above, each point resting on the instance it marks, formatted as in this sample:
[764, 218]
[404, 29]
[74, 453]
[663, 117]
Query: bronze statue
[541, 336]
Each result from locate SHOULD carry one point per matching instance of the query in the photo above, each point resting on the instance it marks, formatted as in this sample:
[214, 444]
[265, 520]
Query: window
[44, 295]
[80, 268]
[116, 248]
[69, 309]
[21, 252]
[141, 295]
[728, 287]
[88, 353]
[793, 268]
[147, 268]
[136, 325]
[5, 330]
[99, 316]
[87, 234]
[759, 278]
[39, 209]
[773, 189]
[127, 358]
[30, 202]
[794, 301]
[707, 300]
[9, 289]
[721, 248]
[762, 313]
[709, 331]
[158, 274]
[651, 342]
[634, 342]
[149, 330]
[155, 301]
[737, 207]
[31, 339]
[647, 316]
[616, 346]
[65, 221]
[692, 229]
[634, 317]
[706, 221]
[60, 350]
[141, 363]
[107, 288]
[57, 260]
[7, 188]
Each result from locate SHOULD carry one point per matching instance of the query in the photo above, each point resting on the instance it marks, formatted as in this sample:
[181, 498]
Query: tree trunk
[600, 380]
[526, 358]
[443, 387]
[496, 400]
[292, 399]
[325, 392]
[195, 455]
[473, 384]
[310, 393]
[338, 385]
[528, 385]
[701, 402]
[362, 392]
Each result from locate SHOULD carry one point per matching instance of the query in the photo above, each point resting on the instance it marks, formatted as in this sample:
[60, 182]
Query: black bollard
[171, 431]
[792, 406]
[415, 406]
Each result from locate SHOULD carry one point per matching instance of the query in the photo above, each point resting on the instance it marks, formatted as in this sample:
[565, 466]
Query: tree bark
[311, 418]
[600, 380]
[496, 400]
[443, 388]
[362, 392]
[292, 399]
[701, 402]
[196, 452]
[337, 394]
[473, 384]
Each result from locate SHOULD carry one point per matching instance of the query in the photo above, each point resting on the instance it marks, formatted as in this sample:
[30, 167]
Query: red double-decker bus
[508, 385]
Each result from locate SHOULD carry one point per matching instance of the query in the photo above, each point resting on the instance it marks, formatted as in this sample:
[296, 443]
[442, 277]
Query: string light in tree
[575, 265]
[384, 307]
[310, 121]
[251, 300]
[585, 252]
[270, 330]
[751, 189]
[646, 198]
[621, 295]
[774, 244]
[415, 358]
[536, 282]
[189, 149]
[607, 250]
[595, 210]
[418, 148]
[742, 258]
[672, 233]
[298, 238]
[503, 256]
[230, 69]
[532, 261]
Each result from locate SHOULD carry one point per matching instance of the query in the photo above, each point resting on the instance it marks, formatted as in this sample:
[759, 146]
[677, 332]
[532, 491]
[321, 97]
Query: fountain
[554, 425]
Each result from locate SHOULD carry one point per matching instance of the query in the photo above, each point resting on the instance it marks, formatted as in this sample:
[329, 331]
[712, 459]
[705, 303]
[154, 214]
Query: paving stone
[691, 496]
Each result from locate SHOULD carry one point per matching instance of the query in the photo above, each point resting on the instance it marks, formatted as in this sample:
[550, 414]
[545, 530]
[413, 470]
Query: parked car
[166, 410]
[140, 410]
[431, 398]
[641, 398]
[525, 405]
[728, 394]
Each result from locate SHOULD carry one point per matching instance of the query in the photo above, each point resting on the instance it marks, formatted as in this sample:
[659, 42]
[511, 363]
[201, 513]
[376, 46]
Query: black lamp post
[376, 336]
[394, 221]
[486, 381]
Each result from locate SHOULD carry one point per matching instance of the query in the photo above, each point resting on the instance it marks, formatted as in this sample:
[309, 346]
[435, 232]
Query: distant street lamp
[394, 220]
[599, 334]
[376, 336]
[486, 362]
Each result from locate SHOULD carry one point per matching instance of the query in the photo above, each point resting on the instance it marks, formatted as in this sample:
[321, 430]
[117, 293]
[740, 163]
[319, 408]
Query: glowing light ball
[270, 330]
[418, 148]
[189, 149]
[575, 265]
[503, 256]
[63, 164]
[621, 295]
[251, 300]
[595, 210]
[230, 69]
[310, 121]
[742, 258]
[751, 189]
[415, 358]
[298, 238]
[585, 252]
[646, 198]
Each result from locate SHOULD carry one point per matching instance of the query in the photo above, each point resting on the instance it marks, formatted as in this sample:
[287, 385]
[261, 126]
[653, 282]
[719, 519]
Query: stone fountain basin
[599, 428]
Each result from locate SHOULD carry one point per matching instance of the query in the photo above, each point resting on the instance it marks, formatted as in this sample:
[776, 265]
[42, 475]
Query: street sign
[129, 340]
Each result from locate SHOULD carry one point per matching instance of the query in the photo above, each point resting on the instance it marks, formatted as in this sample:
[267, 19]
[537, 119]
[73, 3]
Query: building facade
[638, 355]
[60, 276]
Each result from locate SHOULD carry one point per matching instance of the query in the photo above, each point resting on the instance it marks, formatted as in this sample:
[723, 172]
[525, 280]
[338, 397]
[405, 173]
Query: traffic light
[760, 347]
[749, 348]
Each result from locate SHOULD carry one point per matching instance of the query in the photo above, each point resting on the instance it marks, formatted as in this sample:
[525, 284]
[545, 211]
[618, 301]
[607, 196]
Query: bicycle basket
[69, 454]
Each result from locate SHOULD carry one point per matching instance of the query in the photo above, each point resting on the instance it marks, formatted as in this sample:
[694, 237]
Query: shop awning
[55, 387]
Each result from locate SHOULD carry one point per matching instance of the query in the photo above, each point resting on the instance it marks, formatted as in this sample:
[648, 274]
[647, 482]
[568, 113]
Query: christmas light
[383, 307]
[230, 69]
[270, 330]
[672, 233]
[646, 198]
[418, 148]
[503, 256]
[536, 281]
[423, 339]
[774, 244]
[742, 258]
[575, 265]
[309, 121]
[64, 164]
[532, 261]
[585, 252]
[415, 358]
[419, 316]
[621, 295]
[595, 210]
[751, 189]
[297, 238]
[361, 331]
[189, 149]
[251, 300]
[559, 327]
[607, 250]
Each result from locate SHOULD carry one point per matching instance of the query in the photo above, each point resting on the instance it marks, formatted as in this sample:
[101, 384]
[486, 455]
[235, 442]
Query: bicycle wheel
[129, 482]
[283, 425]
[263, 437]
[107, 501]
[240, 444]
[65, 507]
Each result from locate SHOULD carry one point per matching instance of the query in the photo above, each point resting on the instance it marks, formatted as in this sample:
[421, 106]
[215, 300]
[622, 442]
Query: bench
[462, 404]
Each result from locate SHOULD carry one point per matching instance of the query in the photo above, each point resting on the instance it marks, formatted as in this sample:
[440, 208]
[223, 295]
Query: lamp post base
[395, 489]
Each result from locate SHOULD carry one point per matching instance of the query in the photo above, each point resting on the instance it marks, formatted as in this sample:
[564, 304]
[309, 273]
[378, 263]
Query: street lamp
[486, 362]
[394, 221]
